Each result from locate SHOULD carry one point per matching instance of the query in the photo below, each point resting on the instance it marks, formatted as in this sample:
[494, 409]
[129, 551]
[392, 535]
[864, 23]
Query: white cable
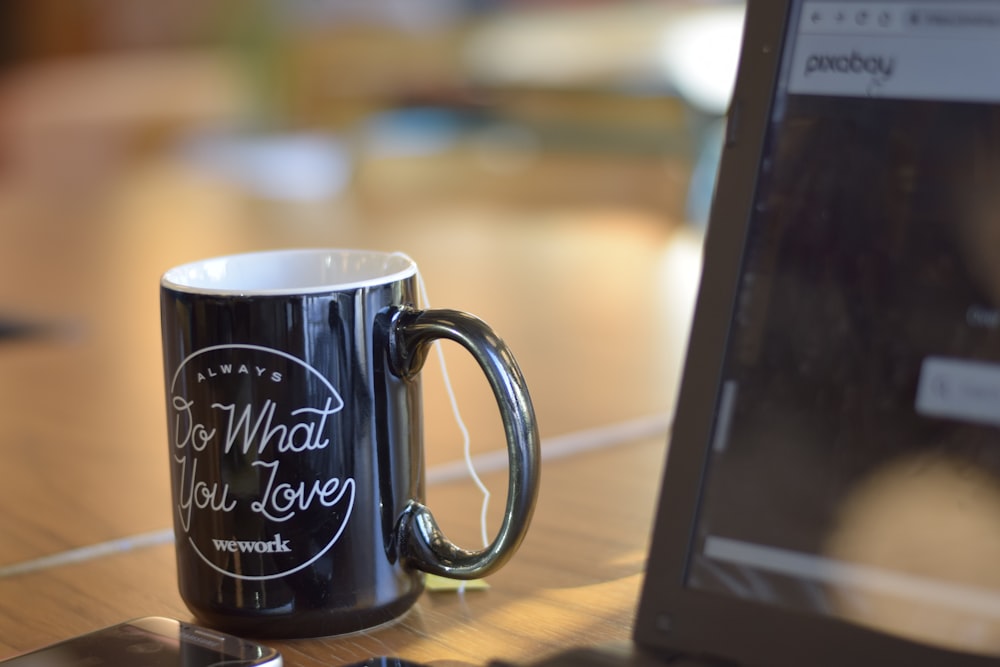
[466, 439]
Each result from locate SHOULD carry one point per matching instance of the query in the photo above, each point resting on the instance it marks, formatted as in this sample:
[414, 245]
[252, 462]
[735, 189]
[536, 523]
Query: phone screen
[153, 642]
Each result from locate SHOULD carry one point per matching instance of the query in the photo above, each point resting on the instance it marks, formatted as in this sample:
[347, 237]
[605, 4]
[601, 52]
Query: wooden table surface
[593, 297]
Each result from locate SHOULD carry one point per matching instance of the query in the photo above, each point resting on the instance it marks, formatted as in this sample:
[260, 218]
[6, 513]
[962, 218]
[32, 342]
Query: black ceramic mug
[296, 455]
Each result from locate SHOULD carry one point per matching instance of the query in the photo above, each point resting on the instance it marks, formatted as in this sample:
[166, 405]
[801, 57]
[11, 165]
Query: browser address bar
[965, 20]
[954, 18]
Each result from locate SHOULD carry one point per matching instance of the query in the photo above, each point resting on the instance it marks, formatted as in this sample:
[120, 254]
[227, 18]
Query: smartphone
[150, 642]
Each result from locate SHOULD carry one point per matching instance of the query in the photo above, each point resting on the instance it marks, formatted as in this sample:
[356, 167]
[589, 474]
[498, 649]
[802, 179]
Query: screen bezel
[674, 618]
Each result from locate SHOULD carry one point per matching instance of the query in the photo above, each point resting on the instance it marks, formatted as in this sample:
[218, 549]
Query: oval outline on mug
[347, 481]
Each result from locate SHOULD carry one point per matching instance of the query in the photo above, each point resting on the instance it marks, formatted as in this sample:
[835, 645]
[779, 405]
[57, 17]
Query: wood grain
[575, 580]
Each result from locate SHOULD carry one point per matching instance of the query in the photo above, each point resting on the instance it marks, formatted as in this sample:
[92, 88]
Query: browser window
[855, 463]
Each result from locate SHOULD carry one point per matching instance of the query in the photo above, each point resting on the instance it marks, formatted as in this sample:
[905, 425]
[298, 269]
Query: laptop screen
[854, 468]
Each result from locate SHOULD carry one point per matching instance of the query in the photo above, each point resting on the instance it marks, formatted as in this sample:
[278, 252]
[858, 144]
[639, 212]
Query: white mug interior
[284, 272]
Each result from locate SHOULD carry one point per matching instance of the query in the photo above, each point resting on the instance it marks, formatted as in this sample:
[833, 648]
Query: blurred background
[598, 102]
[548, 164]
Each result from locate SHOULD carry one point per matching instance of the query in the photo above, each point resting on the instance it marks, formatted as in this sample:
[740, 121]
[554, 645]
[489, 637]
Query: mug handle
[421, 542]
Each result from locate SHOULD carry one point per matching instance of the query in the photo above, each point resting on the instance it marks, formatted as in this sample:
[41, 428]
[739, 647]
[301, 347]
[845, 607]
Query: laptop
[832, 489]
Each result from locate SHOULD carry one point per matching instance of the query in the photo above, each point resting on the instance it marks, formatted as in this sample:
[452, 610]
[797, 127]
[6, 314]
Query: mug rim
[214, 275]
